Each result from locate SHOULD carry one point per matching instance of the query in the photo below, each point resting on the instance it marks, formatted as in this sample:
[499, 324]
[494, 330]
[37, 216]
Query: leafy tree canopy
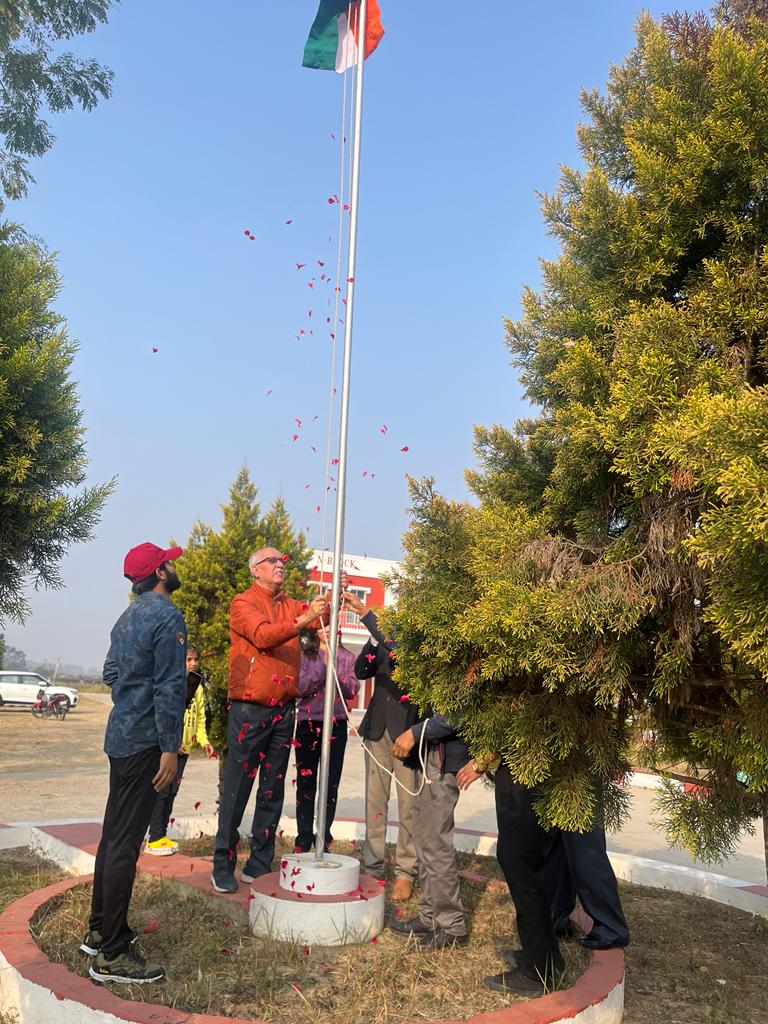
[614, 569]
[42, 449]
[32, 75]
[214, 567]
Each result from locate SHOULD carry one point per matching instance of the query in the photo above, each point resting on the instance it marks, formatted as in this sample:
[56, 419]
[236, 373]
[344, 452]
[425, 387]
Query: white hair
[257, 557]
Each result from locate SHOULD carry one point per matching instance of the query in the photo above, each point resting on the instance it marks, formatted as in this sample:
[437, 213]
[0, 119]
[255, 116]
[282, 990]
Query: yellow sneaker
[161, 847]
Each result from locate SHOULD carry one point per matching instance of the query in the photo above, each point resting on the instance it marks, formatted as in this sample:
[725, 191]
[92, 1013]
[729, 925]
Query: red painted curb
[22, 953]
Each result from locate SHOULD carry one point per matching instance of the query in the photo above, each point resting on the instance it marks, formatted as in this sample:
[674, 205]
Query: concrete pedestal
[322, 903]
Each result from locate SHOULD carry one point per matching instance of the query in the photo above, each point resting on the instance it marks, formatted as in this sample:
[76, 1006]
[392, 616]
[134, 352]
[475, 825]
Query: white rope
[422, 737]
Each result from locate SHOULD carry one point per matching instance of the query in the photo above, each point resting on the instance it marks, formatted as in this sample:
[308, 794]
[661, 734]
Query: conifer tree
[214, 567]
[42, 448]
[611, 580]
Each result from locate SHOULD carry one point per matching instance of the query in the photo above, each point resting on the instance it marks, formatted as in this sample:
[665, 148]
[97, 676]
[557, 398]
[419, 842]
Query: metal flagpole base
[322, 903]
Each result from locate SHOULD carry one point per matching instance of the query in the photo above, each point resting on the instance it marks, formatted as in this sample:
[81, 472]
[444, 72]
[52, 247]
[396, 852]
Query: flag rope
[354, 733]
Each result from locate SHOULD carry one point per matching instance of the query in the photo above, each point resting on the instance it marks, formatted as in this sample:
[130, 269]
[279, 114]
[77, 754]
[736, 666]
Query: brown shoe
[402, 889]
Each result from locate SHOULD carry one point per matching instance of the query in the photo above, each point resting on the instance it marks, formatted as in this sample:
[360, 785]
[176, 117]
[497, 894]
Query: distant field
[85, 687]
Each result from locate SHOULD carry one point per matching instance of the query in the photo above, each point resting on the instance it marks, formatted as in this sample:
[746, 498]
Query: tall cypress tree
[43, 506]
[612, 578]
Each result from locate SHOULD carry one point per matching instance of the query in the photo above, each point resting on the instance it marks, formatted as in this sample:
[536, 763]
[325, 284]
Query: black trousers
[129, 808]
[524, 855]
[309, 734]
[163, 809]
[259, 743]
[580, 867]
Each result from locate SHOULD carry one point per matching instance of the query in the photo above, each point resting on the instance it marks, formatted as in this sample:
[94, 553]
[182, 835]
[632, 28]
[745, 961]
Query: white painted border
[733, 892]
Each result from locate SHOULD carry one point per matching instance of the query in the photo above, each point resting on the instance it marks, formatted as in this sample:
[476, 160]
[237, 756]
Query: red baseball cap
[144, 559]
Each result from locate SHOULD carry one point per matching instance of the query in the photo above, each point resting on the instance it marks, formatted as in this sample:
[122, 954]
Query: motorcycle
[53, 707]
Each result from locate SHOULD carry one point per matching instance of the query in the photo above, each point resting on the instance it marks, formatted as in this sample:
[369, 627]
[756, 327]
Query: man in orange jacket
[264, 660]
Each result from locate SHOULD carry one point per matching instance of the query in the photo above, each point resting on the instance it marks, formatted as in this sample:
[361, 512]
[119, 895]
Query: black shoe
[91, 944]
[514, 982]
[224, 882]
[414, 926]
[126, 968]
[250, 872]
[514, 957]
[441, 940]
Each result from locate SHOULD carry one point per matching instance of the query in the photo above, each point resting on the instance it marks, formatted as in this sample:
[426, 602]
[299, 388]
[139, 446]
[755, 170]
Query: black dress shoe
[413, 926]
[514, 982]
[441, 940]
[514, 957]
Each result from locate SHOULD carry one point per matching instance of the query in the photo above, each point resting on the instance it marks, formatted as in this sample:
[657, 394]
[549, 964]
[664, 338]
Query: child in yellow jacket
[195, 734]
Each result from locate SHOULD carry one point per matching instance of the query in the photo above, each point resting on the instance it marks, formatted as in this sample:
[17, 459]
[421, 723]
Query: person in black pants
[309, 733]
[545, 870]
[579, 866]
[145, 668]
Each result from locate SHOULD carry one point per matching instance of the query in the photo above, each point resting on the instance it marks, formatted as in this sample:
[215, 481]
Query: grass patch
[691, 961]
[22, 871]
[215, 966]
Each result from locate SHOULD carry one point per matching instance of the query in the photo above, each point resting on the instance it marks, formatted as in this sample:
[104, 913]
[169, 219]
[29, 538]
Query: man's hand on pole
[315, 610]
[353, 602]
[166, 773]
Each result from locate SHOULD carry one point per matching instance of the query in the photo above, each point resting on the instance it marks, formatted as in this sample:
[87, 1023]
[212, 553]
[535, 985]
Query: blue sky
[213, 128]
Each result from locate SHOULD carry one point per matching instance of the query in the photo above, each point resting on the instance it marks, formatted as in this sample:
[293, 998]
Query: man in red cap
[145, 669]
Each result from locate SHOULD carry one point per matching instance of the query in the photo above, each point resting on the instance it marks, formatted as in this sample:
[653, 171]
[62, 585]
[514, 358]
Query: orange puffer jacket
[265, 655]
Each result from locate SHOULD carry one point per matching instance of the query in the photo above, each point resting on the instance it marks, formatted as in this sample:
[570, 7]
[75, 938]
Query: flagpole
[341, 488]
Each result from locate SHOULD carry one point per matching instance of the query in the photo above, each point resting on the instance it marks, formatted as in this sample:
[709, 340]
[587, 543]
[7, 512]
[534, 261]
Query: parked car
[22, 688]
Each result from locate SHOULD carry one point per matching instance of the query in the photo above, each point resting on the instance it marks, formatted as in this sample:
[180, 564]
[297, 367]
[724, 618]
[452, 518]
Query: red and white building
[364, 580]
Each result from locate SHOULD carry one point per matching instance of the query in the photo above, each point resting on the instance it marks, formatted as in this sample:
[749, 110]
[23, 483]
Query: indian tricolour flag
[333, 41]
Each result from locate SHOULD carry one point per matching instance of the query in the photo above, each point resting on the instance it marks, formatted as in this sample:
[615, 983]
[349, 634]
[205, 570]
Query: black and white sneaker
[126, 969]
[222, 882]
[91, 944]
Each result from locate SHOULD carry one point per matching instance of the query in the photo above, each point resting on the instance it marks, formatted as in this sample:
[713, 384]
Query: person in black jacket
[440, 920]
[389, 714]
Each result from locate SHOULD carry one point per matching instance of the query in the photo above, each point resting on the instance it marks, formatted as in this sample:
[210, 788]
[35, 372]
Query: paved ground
[51, 770]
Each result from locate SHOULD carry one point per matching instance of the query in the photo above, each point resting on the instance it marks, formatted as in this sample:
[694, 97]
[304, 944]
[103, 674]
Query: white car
[22, 688]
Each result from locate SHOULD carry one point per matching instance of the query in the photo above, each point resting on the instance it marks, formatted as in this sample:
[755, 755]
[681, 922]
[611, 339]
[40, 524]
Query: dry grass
[693, 961]
[22, 871]
[214, 966]
[683, 949]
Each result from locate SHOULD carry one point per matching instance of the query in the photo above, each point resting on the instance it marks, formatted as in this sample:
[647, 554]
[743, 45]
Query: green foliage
[2, 650]
[214, 567]
[32, 75]
[42, 449]
[13, 658]
[615, 567]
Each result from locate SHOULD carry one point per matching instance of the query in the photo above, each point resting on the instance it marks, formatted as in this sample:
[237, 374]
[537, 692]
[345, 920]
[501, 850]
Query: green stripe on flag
[323, 42]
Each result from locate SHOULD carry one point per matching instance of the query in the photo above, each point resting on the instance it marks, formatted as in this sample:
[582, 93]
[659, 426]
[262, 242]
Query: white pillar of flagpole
[341, 489]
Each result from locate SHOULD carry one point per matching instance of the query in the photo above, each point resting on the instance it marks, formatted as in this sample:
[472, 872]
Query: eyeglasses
[273, 560]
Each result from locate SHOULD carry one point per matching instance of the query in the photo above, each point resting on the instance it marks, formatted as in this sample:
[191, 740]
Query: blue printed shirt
[146, 670]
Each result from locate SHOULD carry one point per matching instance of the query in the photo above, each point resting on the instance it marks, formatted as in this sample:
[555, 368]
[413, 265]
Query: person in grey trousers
[389, 714]
[440, 920]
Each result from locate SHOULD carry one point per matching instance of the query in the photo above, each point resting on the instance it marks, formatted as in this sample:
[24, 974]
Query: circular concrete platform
[321, 903]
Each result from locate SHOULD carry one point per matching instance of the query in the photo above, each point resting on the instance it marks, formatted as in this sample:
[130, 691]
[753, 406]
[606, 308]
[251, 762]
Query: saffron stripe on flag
[332, 45]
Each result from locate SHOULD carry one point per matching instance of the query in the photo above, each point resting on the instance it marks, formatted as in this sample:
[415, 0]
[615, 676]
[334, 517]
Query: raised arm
[255, 626]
